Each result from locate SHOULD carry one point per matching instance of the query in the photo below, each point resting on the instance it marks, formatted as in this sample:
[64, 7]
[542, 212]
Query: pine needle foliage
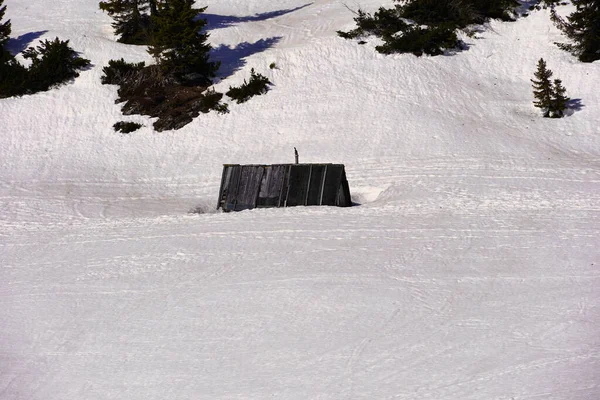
[542, 87]
[559, 100]
[583, 28]
[132, 19]
[5, 29]
[257, 85]
[119, 71]
[52, 63]
[426, 26]
[126, 127]
[549, 96]
[179, 46]
[12, 74]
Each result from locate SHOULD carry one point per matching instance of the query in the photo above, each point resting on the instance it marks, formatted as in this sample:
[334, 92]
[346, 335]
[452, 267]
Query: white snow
[470, 269]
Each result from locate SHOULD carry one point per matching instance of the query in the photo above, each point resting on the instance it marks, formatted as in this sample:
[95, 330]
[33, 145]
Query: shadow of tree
[574, 105]
[18, 44]
[215, 21]
[525, 7]
[233, 58]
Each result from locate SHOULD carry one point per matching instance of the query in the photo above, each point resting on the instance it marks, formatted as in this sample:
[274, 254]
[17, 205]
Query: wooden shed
[283, 185]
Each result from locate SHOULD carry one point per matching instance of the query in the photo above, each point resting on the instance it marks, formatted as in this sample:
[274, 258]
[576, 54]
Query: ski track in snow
[467, 270]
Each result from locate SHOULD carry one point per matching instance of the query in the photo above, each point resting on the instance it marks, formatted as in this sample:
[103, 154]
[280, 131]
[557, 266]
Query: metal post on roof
[296, 155]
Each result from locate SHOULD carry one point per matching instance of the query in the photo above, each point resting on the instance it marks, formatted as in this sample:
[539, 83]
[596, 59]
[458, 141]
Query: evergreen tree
[558, 103]
[5, 29]
[457, 12]
[426, 26]
[132, 21]
[542, 88]
[52, 63]
[178, 45]
[583, 28]
[12, 74]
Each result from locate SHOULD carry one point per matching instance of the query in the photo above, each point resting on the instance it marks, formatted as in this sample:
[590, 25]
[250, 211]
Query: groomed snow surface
[469, 268]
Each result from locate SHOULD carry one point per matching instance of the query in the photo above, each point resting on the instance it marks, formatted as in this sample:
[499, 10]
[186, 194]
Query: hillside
[469, 268]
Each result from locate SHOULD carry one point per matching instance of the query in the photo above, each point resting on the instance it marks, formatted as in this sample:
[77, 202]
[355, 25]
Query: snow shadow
[525, 8]
[215, 21]
[233, 58]
[573, 106]
[18, 44]
[460, 47]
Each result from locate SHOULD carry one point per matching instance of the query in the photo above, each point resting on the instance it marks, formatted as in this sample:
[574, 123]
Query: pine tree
[542, 87]
[178, 45]
[12, 74]
[132, 21]
[583, 28]
[5, 29]
[52, 63]
[559, 101]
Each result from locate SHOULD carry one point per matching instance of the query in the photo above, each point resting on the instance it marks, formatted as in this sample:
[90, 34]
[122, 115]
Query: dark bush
[385, 22]
[419, 41]
[212, 101]
[119, 71]
[126, 127]
[150, 91]
[13, 78]
[258, 84]
[52, 63]
[426, 26]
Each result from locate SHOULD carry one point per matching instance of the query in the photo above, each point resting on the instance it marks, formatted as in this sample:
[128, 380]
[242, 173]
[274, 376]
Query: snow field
[468, 271]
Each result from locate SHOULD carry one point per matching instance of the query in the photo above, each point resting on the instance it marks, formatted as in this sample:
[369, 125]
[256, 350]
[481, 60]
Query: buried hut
[245, 187]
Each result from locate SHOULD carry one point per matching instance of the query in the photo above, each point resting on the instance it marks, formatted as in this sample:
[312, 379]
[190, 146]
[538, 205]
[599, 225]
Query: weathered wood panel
[283, 185]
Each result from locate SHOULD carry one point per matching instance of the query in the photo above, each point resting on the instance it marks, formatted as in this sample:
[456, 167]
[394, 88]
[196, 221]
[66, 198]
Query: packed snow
[468, 269]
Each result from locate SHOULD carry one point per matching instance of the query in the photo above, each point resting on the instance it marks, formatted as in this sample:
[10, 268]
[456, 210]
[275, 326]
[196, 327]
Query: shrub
[13, 78]
[126, 127]
[258, 84]
[426, 26]
[52, 63]
[417, 40]
[118, 71]
[212, 101]
[384, 23]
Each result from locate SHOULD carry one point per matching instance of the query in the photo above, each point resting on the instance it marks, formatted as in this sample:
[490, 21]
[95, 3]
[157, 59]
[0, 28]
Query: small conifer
[258, 84]
[5, 29]
[179, 46]
[542, 87]
[132, 19]
[52, 63]
[12, 74]
[559, 100]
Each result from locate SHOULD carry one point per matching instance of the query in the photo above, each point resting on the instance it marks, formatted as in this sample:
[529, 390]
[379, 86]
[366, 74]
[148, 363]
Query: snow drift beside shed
[283, 185]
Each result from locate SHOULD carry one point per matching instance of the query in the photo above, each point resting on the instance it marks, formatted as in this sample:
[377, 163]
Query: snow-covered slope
[470, 269]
